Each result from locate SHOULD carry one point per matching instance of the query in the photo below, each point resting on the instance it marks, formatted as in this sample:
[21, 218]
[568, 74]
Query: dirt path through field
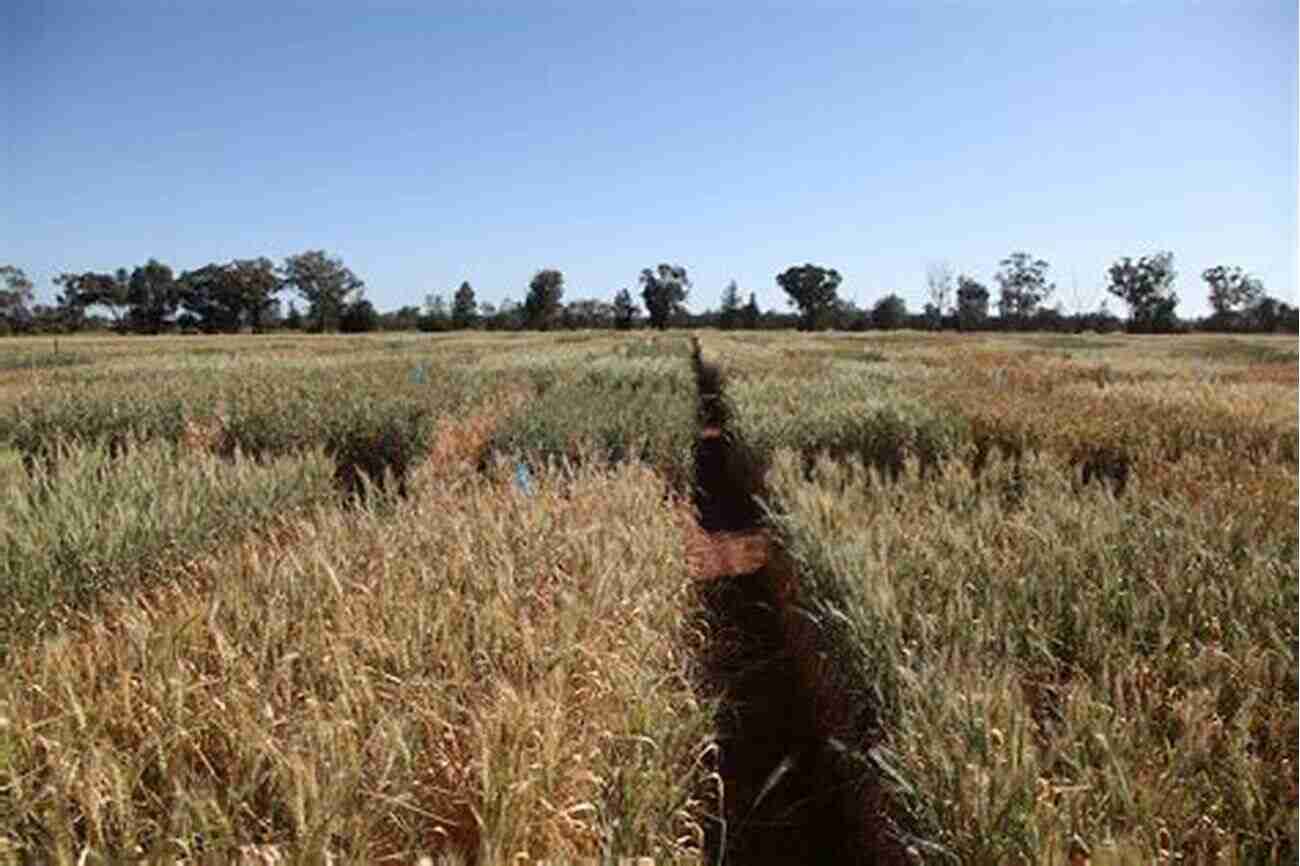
[785, 798]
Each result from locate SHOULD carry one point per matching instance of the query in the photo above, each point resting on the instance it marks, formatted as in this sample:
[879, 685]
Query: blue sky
[426, 144]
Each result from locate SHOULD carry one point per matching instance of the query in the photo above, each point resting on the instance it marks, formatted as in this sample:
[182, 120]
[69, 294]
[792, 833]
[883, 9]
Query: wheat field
[377, 599]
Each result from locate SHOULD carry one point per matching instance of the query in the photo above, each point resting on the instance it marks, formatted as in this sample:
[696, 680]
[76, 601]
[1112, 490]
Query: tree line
[243, 294]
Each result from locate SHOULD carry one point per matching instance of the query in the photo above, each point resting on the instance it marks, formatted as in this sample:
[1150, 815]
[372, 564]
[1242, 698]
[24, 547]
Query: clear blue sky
[426, 144]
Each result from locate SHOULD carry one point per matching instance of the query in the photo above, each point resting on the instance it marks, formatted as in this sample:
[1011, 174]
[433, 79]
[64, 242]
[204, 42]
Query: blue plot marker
[420, 373]
[523, 478]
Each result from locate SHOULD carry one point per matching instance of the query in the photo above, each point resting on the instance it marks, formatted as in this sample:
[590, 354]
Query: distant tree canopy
[226, 297]
[542, 305]
[437, 314]
[89, 289]
[972, 304]
[153, 297]
[664, 290]
[750, 315]
[404, 318]
[812, 289]
[889, 313]
[256, 284]
[324, 283]
[464, 308]
[15, 299]
[588, 314]
[729, 313]
[1146, 285]
[243, 293]
[358, 317]
[1024, 285]
[1231, 289]
[626, 311]
[1271, 315]
[1239, 303]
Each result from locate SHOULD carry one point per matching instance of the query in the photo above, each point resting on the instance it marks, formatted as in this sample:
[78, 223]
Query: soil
[788, 798]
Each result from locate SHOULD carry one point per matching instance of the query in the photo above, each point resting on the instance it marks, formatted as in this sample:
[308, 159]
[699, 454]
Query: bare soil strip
[788, 795]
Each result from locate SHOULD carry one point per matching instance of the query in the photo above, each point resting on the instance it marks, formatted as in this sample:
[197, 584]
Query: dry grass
[476, 671]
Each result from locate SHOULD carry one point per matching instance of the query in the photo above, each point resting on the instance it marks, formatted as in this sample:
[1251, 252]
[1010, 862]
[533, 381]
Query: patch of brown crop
[461, 443]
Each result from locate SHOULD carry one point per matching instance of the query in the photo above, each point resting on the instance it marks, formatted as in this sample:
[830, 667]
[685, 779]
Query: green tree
[404, 318]
[509, 316]
[1271, 315]
[729, 313]
[751, 316]
[588, 314]
[464, 309]
[972, 303]
[358, 317]
[664, 290]
[1146, 285]
[437, 315]
[211, 299]
[255, 284]
[89, 289]
[812, 289]
[153, 295]
[625, 310]
[1232, 291]
[293, 319]
[889, 313]
[542, 305]
[15, 298]
[1023, 283]
[324, 283]
[850, 317]
[224, 298]
[72, 301]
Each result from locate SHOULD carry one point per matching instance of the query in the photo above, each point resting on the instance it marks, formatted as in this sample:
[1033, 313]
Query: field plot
[1046, 591]
[788, 599]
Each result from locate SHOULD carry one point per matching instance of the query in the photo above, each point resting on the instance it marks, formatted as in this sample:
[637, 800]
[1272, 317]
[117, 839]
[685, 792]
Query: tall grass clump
[476, 672]
[1042, 666]
[105, 524]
